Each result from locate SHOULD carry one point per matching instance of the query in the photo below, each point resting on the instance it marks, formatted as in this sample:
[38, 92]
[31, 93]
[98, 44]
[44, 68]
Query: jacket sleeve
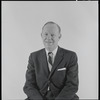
[30, 88]
[71, 84]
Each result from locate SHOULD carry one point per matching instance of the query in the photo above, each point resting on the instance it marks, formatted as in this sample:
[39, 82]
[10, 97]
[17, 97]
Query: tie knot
[50, 54]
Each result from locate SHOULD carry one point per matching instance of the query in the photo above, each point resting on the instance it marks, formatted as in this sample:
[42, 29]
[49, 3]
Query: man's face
[50, 36]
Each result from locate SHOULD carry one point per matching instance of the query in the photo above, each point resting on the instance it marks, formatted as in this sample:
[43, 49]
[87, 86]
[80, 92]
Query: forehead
[50, 28]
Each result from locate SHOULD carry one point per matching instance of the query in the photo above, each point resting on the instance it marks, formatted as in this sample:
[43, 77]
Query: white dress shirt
[54, 54]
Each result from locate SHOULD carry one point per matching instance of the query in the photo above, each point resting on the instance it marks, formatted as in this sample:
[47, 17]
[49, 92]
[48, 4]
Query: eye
[46, 34]
[52, 35]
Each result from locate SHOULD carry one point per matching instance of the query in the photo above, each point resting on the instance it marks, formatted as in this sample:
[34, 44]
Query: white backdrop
[21, 28]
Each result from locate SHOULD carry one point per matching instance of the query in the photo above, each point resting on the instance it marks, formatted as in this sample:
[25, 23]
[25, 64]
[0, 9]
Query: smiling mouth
[48, 42]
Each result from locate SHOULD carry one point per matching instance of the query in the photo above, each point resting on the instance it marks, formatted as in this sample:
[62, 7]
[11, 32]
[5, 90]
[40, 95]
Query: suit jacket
[62, 80]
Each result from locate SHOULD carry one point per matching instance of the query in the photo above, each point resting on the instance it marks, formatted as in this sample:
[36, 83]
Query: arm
[30, 87]
[71, 84]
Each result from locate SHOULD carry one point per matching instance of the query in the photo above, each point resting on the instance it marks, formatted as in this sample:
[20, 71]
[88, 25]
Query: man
[52, 72]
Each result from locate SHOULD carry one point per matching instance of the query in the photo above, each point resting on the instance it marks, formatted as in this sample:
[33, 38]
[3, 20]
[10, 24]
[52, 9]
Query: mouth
[48, 42]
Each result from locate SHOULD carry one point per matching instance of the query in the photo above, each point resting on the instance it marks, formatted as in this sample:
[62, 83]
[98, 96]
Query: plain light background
[22, 23]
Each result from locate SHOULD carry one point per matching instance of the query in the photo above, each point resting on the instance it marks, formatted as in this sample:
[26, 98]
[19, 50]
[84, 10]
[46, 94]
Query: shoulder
[38, 52]
[69, 54]
[67, 51]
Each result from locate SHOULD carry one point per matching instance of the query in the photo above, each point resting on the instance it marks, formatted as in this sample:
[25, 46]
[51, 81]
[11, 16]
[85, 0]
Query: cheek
[56, 40]
[43, 38]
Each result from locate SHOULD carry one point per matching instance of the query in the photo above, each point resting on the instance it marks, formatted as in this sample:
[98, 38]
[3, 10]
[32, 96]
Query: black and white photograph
[49, 50]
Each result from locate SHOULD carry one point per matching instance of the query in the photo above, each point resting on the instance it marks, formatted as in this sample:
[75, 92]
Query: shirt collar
[54, 51]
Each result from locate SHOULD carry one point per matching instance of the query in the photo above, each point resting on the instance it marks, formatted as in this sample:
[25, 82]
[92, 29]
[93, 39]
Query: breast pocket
[61, 69]
[59, 77]
[61, 73]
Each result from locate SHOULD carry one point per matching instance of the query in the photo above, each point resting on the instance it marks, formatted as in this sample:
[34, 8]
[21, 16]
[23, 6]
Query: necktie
[50, 58]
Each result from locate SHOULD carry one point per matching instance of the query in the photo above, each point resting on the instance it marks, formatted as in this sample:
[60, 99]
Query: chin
[49, 46]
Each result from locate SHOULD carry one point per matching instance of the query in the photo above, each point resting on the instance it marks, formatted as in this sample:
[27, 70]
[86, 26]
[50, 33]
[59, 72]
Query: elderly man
[52, 72]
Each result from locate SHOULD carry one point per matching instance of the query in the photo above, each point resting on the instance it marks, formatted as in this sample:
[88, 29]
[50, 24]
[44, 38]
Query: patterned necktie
[50, 58]
[50, 55]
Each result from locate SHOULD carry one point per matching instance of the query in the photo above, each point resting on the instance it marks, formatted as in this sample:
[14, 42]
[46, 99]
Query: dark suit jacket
[62, 80]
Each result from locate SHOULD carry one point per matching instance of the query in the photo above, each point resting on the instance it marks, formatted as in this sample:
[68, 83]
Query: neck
[50, 49]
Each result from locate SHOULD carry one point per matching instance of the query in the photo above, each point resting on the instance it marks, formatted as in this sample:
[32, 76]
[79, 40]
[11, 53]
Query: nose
[49, 36]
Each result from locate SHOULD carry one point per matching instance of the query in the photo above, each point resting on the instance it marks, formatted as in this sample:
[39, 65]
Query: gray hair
[51, 22]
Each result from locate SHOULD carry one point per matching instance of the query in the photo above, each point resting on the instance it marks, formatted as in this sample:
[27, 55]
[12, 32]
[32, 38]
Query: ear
[41, 34]
[59, 36]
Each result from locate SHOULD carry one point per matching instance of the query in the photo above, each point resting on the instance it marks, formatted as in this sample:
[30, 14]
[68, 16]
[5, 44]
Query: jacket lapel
[58, 59]
[44, 64]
